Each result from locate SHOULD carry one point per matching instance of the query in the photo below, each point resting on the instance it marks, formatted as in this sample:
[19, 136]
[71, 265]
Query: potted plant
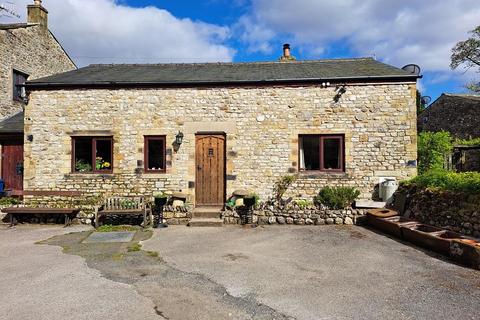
[160, 199]
[250, 200]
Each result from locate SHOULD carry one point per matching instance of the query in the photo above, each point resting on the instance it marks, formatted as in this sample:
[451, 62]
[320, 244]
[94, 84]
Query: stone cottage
[27, 51]
[208, 129]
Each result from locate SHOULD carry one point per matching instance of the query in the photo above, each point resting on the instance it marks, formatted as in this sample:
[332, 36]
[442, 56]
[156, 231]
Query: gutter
[123, 84]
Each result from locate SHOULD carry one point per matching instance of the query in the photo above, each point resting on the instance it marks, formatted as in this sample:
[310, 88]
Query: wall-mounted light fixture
[179, 138]
[340, 90]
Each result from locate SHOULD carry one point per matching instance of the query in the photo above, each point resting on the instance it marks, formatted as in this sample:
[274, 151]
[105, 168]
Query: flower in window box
[106, 164]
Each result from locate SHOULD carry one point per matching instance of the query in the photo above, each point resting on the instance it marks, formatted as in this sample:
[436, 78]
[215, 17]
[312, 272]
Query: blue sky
[161, 31]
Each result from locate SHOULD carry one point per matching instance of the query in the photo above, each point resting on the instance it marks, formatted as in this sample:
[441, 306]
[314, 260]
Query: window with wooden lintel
[154, 154]
[321, 153]
[92, 154]
[19, 79]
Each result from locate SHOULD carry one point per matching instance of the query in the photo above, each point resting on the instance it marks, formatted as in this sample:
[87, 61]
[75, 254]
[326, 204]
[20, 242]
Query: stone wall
[262, 125]
[294, 214]
[32, 50]
[454, 211]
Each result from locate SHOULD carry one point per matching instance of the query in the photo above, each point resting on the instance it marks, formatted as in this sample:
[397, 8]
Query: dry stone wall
[262, 125]
[31, 50]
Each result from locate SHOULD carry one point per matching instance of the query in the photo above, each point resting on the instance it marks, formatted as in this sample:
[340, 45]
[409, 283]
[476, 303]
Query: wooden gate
[210, 169]
[12, 166]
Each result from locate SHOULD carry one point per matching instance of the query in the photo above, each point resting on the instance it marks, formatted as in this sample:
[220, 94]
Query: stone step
[207, 212]
[205, 222]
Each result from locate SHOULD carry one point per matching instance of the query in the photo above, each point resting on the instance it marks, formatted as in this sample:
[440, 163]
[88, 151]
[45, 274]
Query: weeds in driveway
[153, 254]
[134, 247]
[112, 228]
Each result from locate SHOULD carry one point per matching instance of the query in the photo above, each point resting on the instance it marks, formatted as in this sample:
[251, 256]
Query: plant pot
[249, 201]
[160, 202]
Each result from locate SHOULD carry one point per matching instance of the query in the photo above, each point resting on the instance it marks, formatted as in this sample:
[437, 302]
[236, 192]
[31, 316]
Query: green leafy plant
[8, 201]
[466, 182]
[433, 148]
[134, 247]
[303, 203]
[467, 142]
[337, 197]
[281, 186]
[160, 195]
[82, 166]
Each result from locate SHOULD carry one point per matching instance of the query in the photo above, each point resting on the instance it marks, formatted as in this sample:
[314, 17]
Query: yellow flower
[106, 164]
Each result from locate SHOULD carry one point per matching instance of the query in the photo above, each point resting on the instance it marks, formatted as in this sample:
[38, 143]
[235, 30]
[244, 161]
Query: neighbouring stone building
[458, 114]
[209, 129]
[27, 51]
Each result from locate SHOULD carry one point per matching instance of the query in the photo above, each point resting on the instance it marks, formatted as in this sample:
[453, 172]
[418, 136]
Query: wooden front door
[210, 169]
[12, 166]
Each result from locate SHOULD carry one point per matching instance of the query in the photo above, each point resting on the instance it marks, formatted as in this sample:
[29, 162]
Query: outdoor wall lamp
[179, 138]
[340, 90]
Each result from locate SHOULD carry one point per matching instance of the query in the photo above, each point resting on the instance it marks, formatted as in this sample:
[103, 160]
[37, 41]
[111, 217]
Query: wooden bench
[68, 213]
[123, 206]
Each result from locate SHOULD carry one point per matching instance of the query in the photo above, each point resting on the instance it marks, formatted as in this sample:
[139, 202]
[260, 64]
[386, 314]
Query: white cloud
[106, 31]
[398, 32]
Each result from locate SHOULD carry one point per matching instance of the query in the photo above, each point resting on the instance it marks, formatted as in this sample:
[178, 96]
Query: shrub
[433, 148]
[467, 182]
[281, 186]
[337, 197]
[7, 201]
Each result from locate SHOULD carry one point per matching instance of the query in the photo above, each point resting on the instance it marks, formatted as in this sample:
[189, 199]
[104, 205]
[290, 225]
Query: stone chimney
[287, 56]
[37, 14]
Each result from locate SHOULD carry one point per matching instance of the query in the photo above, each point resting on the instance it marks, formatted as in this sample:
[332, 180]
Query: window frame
[145, 153]
[322, 137]
[15, 74]
[94, 153]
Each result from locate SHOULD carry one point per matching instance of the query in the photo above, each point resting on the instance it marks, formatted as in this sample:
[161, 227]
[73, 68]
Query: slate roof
[13, 124]
[458, 114]
[361, 69]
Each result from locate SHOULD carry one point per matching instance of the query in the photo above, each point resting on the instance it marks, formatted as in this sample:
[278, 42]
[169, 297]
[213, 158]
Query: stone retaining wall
[454, 211]
[311, 215]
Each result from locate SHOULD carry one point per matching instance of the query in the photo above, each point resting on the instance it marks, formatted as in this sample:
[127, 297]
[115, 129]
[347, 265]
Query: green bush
[7, 201]
[337, 197]
[433, 148]
[466, 182]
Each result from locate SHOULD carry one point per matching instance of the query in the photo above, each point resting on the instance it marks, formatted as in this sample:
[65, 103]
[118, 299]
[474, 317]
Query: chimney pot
[286, 53]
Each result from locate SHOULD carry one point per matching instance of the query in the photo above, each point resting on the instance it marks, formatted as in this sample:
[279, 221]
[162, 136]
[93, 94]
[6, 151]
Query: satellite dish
[425, 100]
[412, 68]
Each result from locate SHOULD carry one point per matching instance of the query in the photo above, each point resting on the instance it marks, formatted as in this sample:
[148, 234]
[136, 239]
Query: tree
[433, 149]
[467, 54]
[421, 106]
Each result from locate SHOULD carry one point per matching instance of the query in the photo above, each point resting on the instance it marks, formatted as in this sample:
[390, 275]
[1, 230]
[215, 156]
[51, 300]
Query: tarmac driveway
[328, 272]
[40, 282]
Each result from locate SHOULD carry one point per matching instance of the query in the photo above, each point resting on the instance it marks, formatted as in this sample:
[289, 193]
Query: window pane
[156, 154]
[331, 153]
[103, 156]
[18, 80]
[83, 154]
[310, 147]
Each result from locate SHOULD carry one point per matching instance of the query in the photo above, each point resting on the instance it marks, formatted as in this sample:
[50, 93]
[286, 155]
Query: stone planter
[427, 237]
[249, 201]
[390, 225]
[160, 202]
